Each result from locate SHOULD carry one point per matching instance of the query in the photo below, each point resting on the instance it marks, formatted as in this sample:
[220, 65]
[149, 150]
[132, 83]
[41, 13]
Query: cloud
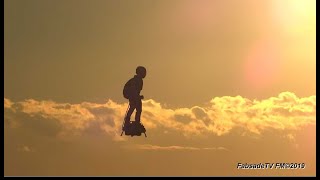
[200, 140]
[7, 103]
[172, 148]
[26, 149]
[221, 116]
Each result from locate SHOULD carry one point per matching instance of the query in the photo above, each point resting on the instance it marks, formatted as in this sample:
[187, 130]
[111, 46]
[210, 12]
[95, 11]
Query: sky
[227, 82]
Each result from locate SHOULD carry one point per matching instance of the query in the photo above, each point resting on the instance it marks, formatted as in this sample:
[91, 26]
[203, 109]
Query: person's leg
[132, 105]
[139, 110]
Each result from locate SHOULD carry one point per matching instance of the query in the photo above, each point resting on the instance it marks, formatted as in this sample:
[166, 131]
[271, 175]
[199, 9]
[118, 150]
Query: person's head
[141, 71]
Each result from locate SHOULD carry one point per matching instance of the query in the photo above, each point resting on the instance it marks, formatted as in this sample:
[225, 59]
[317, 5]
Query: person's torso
[137, 83]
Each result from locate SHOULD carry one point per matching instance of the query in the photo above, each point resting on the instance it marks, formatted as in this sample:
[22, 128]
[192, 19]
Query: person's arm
[140, 88]
[137, 87]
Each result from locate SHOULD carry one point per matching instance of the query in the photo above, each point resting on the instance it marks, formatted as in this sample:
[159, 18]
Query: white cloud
[7, 103]
[222, 115]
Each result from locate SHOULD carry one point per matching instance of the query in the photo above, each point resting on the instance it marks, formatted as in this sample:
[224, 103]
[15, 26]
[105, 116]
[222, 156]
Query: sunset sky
[227, 82]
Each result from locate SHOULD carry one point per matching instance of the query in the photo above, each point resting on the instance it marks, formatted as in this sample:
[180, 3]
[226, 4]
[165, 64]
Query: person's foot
[127, 122]
[139, 126]
[126, 125]
[137, 123]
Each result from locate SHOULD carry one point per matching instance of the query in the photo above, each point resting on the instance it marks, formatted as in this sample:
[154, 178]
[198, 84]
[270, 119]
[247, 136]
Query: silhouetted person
[132, 91]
